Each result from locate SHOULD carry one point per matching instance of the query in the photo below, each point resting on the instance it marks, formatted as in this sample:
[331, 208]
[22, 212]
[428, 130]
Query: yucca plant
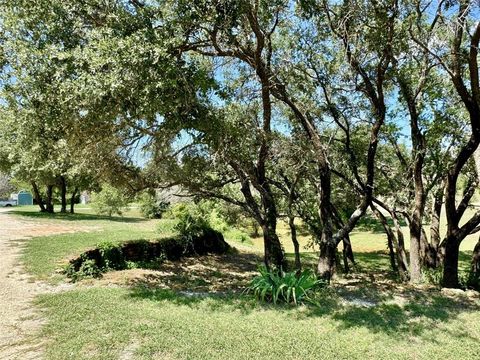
[277, 285]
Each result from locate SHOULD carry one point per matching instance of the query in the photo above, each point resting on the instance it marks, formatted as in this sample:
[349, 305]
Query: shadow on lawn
[76, 217]
[379, 305]
[209, 274]
[414, 317]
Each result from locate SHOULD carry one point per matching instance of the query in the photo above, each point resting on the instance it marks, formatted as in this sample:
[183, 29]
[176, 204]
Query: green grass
[44, 255]
[144, 322]
[106, 323]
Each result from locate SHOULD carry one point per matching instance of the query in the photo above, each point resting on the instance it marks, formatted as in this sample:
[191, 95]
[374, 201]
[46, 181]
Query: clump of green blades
[280, 286]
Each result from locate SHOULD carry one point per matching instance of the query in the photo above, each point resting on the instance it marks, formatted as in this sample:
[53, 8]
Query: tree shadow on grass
[76, 217]
[404, 310]
[209, 274]
[414, 317]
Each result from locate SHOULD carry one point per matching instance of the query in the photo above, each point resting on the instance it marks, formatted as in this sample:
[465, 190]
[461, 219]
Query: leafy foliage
[193, 217]
[109, 201]
[288, 287]
[151, 207]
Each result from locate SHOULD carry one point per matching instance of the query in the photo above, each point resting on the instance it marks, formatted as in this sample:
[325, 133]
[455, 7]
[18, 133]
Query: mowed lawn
[367, 319]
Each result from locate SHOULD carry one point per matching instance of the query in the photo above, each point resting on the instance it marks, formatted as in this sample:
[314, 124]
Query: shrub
[465, 279]
[473, 281]
[204, 213]
[112, 256]
[433, 276]
[288, 287]
[88, 269]
[143, 254]
[109, 201]
[151, 207]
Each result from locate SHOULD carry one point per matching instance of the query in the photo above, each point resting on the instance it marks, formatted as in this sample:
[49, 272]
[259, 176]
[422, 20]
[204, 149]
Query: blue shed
[24, 198]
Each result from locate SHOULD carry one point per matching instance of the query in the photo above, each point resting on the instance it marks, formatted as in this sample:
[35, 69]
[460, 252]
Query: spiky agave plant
[278, 285]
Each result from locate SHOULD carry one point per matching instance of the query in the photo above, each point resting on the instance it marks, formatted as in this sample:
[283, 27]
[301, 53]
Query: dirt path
[19, 320]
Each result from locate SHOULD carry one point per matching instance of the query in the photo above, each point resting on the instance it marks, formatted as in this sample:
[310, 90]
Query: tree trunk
[72, 201]
[327, 260]
[328, 247]
[391, 252]
[474, 278]
[427, 253]
[402, 261]
[296, 245]
[347, 245]
[347, 253]
[415, 246]
[450, 268]
[435, 227]
[391, 240]
[63, 194]
[273, 248]
[49, 200]
[38, 197]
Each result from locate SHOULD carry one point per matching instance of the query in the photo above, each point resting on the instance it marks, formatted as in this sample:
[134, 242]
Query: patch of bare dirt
[210, 273]
[19, 320]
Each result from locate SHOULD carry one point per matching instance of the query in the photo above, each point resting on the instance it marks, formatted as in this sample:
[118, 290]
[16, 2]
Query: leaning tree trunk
[347, 250]
[63, 194]
[296, 245]
[38, 197]
[402, 261]
[72, 201]
[347, 253]
[396, 262]
[49, 200]
[435, 226]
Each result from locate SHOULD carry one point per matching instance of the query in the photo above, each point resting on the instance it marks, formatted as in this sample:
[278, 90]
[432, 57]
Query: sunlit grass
[138, 323]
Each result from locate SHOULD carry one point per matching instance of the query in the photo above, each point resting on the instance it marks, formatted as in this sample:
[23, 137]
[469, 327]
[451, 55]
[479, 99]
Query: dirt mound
[143, 253]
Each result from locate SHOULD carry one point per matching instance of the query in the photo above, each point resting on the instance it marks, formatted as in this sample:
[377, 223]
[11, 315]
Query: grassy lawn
[137, 318]
[138, 323]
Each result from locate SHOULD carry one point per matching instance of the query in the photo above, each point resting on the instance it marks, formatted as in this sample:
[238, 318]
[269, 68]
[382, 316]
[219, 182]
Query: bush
[87, 269]
[473, 281]
[193, 217]
[433, 276]
[109, 201]
[151, 207]
[112, 256]
[288, 287]
[143, 254]
[465, 279]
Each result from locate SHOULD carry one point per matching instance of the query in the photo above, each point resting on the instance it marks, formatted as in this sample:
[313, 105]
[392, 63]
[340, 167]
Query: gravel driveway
[19, 319]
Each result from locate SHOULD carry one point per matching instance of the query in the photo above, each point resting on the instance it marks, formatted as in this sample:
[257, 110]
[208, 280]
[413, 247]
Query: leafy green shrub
[433, 276]
[143, 254]
[109, 201]
[201, 213]
[88, 269]
[151, 207]
[112, 256]
[288, 287]
[166, 226]
[473, 281]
